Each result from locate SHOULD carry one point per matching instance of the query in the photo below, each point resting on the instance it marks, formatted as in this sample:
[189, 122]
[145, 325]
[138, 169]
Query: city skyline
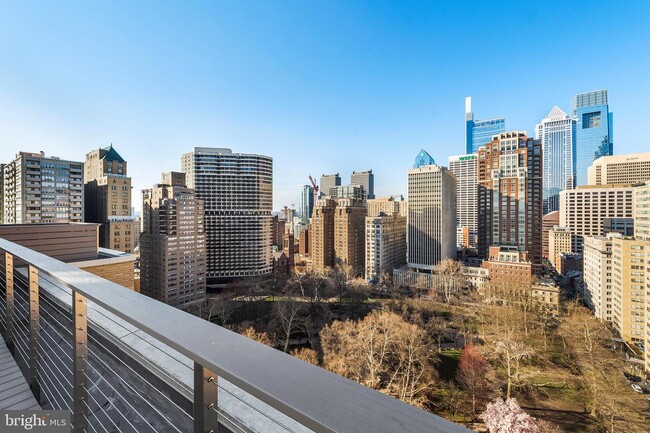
[340, 100]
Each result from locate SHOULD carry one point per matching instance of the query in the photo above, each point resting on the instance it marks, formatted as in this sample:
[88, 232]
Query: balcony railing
[123, 362]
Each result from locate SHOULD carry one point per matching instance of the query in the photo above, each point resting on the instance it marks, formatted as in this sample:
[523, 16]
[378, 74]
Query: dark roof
[111, 154]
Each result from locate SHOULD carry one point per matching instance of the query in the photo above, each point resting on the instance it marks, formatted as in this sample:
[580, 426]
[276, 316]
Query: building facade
[479, 132]
[42, 190]
[173, 247]
[628, 288]
[431, 232]
[596, 290]
[549, 221]
[560, 240]
[107, 190]
[347, 191]
[237, 191]
[584, 209]
[385, 244]
[594, 131]
[465, 167]
[510, 195]
[305, 202]
[386, 205]
[617, 169]
[327, 182]
[367, 181]
[557, 134]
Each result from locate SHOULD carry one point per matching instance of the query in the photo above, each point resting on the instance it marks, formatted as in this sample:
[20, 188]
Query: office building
[624, 226]
[510, 195]
[305, 202]
[465, 167]
[107, 190]
[385, 244]
[173, 248]
[40, 189]
[337, 234]
[431, 232]
[549, 221]
[423, 158]
[617, 169]
[557, 134]
[387, 205]
[594, 131]
[367, 181]
[2, 192]
[479, 132]
[560, 240]
[237, 190]
[327, 182]
[584, 209]
[508, 265]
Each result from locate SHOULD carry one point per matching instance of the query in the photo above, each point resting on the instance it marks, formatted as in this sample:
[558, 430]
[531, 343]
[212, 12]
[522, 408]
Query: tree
[291, 318]
[510, 352]
[307, 355]
[222, 308]
[507, 417]
[450, 274]
[260, 337]
[472, 375]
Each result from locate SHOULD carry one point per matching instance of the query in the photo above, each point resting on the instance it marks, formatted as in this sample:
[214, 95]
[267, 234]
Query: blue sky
[319, 86]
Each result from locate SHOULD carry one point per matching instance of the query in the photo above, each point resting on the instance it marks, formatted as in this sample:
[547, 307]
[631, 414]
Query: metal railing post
[79, 363]
[9, 313]
[33, 332]
[205, 400]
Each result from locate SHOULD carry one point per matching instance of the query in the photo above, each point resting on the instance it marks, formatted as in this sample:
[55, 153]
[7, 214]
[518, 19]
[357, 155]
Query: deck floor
[14, 390]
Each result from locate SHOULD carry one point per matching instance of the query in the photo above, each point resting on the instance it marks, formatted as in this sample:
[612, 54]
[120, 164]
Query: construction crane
[313, 184]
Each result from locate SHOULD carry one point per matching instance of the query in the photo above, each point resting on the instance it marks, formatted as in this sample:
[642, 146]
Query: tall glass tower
[557, 134]
[594, 131]
[480, 132]
[305, 202]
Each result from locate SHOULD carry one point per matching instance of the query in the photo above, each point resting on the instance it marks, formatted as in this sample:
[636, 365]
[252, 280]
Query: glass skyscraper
[594, 131]
[480, 132]
[423, 159]
[305, 202]
[557, 134]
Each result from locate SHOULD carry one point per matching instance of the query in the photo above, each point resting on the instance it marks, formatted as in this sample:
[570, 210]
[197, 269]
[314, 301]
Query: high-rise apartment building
[107, 190]
[431, 231]
[596, 290]
[237, 190]
[337, 234]
[385, 244]
[584, 209]
[386, 205]
[628, 288]
[347, 191]
[2, 192]
[594, 131]
[642, 233]
[617, 169]
[327, 182]
[40, 189]
[479, 132]
[465, 167]
[557, 134]
[367, 181]
[173, 250]
[305, 202]
[510, 195]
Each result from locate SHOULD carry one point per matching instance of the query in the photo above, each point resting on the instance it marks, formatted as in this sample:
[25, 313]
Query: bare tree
[450, 274]
[510, 353]
[290, 315]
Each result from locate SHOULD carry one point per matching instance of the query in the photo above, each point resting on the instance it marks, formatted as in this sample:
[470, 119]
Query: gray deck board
[14, 391]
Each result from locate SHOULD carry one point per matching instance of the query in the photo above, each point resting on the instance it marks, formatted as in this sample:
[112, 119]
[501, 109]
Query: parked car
[636, 388]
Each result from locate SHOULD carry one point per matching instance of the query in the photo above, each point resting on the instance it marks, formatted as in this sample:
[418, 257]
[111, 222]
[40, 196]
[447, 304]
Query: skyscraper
[172, 246]
[557, 134]
[305, 202]
[385, 244]
[594, 131]
[616, 169]
[480, 132]
[107, 190]
[510, 195]
[465, 167]
[237, 190]
[40, 189]
[423, 158]
[431, 221]
[367, 180]
[327, 182]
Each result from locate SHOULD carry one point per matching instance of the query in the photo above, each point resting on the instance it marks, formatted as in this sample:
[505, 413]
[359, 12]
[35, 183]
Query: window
[591, 120]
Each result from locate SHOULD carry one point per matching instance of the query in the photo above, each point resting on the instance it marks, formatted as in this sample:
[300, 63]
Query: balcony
[122, 362]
